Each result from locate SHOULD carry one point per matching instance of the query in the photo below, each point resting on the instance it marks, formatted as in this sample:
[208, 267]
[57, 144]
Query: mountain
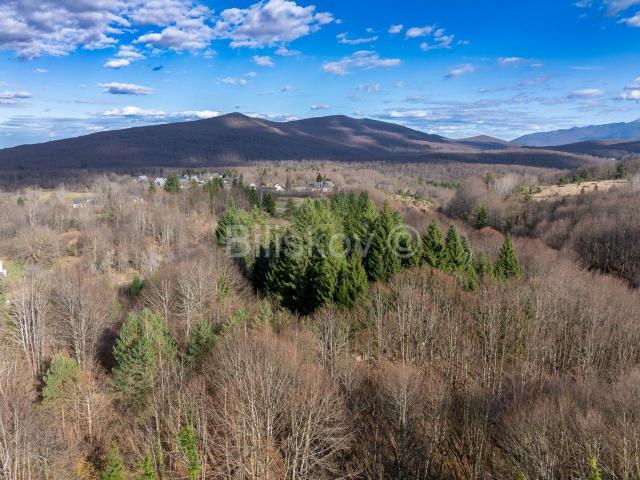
[607, 149]
[612, 131]
[236, 139]
[485, 142]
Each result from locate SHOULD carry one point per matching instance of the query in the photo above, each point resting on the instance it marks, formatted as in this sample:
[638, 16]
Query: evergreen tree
[172, 185]
[352, 281]
[20, 202]
[409, 250]
[269, 204]
[136, 287]
[201, 340]
[114, 469]
[261, 267]
[481, 217]
[594, 469]
[60, 381]
[143, 346]
[290, 208]
[188, 447]
[469, 277]
[147, 469]
[507, 265]
[454, 254]
[433, 246]
[382, 260]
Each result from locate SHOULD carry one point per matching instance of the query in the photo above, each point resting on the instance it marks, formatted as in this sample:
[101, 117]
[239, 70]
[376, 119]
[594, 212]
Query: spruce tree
[433, 246]
[290, 208]
[114, 469]
[201, 340]
[269, 204]
[172, 185]
[143, 346]
[454, 254]
[352, 281]
[147, 469]
[188, 447]
[382, 259]
[507, 265]
[481, 217]
[60, 381]
[469, 277]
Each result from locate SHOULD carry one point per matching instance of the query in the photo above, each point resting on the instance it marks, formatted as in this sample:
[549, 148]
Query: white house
[278, 188]
[160, 181]
[3, 271]
[143, 179]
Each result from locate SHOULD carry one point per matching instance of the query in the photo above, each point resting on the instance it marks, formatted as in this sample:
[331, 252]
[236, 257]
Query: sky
[456, 68]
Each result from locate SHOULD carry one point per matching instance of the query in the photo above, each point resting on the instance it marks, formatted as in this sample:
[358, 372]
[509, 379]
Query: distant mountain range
[613, 132]
[238, 139]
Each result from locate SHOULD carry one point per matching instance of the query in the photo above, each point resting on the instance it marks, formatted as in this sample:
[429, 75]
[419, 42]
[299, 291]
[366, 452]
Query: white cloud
[269, 22]
[117, 88]
[58, 27]
[263, 61]
[394, 29]
[409, 114]
[41, 70]
[461, 70]
[133, 112]
[129, 52]
[417, 32]
[632, 21]
[343, 38]
[12, 98]
[510, 61]
[321, 106]
[285, 52]
[615, 7]
[631, 95]
[117, 63]
[197, 114]
[373, 88]
[587, 93]
[234, 81]
[363, 59]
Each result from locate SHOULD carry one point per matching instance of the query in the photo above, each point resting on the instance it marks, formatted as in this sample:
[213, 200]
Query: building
[278, 188]
[323, 186]
[160, 181]
[143, 179]
[3, 272]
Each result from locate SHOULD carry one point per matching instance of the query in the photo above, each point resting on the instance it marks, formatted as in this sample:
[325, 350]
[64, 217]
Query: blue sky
[452, 67]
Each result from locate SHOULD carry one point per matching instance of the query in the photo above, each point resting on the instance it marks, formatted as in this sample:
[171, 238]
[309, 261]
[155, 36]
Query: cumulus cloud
[58, 27]
[117, 88]
[344, 38]
[417, 32]
[372, 88]
[615, 7]
[585, 93]
[395, 29]
[285, 52]
[234, 81]
[269, 23]
[631, 95]
[263, 61]
[632, 21]
[117, 63]
[133, 112]
[461, 70]
[363, 59]
[197, 114]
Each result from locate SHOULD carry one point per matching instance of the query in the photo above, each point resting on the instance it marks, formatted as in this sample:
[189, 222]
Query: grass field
[572, 189]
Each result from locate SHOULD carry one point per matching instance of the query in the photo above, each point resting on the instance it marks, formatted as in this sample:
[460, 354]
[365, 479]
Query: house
[323, 186]
[3, 271]
[78, 203]
[278, 188]
[143, 179]
[252, 186]
[160, 181]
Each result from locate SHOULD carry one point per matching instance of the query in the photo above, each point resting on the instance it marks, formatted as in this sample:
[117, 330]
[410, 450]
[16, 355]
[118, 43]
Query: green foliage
[352, 281]
[172, 185]
[622, 171]
[481, 217]
[382, 259]
[594, 469]
[60, 379]
[114, 469]
[507, 265]
[147, 469]
[142, 348]
[454, 253]
[20, 202]
[269, 204]
[136, 287]
[433, 246]
[201, 340]
[188, 447]
[230, 222]
[290, 208]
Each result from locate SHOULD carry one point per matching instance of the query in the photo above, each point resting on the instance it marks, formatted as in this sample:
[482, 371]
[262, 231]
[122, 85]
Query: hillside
[612, 131]
[236, 139]
[602, 149]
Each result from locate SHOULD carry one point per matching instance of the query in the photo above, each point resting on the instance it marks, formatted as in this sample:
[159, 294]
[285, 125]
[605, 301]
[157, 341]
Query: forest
[452, 329]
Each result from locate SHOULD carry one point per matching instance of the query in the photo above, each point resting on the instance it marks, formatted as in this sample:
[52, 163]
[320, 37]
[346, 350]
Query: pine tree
[352, 281]
[188, 447]
[594, 469]
[114, 469]
[201, 340]
[481, 217]
[172, 185]
[290, 208]
[60, 381]
[469, 274]
[147, 469]
[507, 265]
[454, 254]
[382, 259]
[269, 204]
[143, 346]
[433, 246]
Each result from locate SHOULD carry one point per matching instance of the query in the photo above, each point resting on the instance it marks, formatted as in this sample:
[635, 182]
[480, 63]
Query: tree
[201, 341]
[507, 265]
[454, 253]
[481, 217]
[382, 259]
[142, 349]
[433, 246]
[136, 287]
[188, 447]
[172, 185]
[290, 208]
[147, 469]
[594, 469]
[352, 281]
[269, 204]
[114, 469]
[60, 381]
